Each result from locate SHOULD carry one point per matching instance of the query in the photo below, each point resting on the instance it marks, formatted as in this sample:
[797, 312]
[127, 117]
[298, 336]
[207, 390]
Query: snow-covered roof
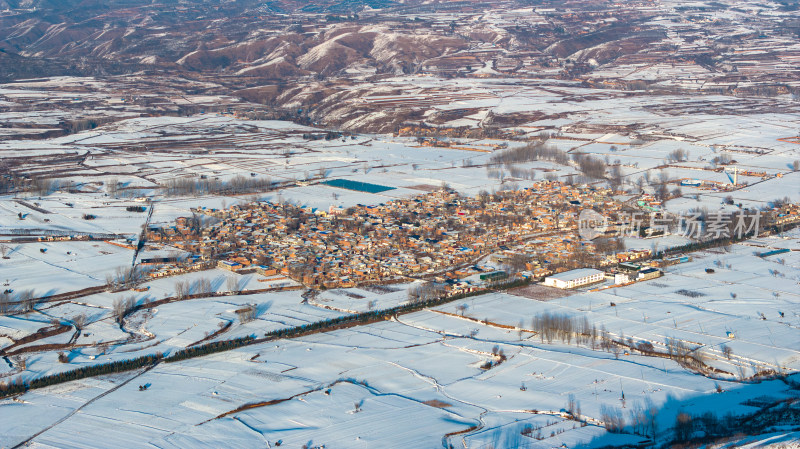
[576, 274]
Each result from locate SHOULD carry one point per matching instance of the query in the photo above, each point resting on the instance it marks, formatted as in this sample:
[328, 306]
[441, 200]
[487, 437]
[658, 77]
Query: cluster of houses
[787, 214]
[440, 235]
[436, 233]
[168, 266]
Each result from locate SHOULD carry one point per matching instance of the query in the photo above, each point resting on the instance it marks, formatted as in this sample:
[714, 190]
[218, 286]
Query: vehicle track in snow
[86, 404]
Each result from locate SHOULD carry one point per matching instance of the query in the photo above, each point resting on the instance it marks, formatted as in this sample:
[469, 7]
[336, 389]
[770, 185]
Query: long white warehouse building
[574, 278]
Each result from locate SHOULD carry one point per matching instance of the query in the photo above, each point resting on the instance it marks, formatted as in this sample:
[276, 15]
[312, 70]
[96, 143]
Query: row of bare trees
[565, 328]
[690, 357]
[43, 186]
[679, 155]
[125, 277]
[185, 288]
[10, 182]
[426, 291]
[182, 289]
[535, 151]
[23, 300]
[590, 166]
[237, 185]
[643, 418]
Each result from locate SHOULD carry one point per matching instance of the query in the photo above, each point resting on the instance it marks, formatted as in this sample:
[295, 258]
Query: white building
[574, 278]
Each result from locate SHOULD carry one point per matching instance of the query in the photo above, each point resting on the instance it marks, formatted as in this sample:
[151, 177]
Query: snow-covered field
[419, 378]
[636, 131]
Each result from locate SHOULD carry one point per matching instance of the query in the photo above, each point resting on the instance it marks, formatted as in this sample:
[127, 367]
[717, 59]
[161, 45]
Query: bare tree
[679, 155]
[204, 286]
[615, 177]
[247, 313]
[612, 418]
[181, 289]
[651, 412]
[234, 285]
[572, 406]
[79, 321]
[684, 426]
[124, 277]
[122, 307]
[616, 350]
[590, 166]
[117, 310]
[28, 300]
[662, 192]
[112, 187]
[5, 302]
[43, 186]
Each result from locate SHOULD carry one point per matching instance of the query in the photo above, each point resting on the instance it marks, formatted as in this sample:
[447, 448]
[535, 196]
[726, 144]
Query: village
[462, 244]
[367, 223]
[439, 236]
